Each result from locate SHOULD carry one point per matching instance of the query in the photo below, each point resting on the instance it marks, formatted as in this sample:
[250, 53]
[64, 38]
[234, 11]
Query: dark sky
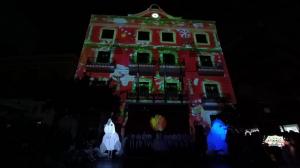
[59, 26]
[259, 40]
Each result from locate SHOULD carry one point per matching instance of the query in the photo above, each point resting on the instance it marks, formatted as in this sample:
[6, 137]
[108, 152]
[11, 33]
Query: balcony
[136, 98]
[211, 70]
[171, 70]
[142, 69]
[173, 97]
[131, 95]
[213, 103]
[159, 98]
[145, 96]
[156, 98]
[100, 67]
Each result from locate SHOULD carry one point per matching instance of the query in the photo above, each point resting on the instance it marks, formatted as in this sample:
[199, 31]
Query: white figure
[110, 141]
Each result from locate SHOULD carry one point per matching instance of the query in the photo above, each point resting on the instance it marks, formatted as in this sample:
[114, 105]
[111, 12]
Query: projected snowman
[110, 141]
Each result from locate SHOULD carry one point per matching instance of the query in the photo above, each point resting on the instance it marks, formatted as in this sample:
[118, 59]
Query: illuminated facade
[154, 58]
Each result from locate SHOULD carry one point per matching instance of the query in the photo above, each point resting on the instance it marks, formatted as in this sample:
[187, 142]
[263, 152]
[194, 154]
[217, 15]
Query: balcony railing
[148, 69]
[157, 98]
[171, 70]
[225, 98]
[211, 70]
[142, 69]
[213, 103]
[100, 67]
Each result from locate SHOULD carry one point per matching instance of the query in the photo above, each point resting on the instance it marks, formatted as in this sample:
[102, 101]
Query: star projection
[158, 122]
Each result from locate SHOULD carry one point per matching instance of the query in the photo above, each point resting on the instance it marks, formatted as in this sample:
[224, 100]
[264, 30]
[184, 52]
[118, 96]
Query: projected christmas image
[158, 122]
[168, 73]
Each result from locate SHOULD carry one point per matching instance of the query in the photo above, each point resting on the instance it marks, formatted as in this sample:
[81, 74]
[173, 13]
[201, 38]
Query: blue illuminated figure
[216, 139]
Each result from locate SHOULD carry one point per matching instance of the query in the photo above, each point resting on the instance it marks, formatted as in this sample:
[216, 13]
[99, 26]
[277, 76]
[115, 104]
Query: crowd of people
[146, 143]
[29, 143]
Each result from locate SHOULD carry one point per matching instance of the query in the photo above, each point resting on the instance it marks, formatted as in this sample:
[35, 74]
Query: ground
[162, 162]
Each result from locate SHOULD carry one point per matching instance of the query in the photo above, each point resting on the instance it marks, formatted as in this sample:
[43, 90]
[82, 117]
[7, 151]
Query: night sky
[259, 40]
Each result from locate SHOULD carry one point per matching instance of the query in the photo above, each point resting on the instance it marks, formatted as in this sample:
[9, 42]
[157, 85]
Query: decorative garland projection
[172, 73]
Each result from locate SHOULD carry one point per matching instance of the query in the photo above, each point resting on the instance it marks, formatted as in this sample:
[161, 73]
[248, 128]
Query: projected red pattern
[125, 44]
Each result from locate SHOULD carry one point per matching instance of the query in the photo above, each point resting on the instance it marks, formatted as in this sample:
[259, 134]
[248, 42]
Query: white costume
[110, 139]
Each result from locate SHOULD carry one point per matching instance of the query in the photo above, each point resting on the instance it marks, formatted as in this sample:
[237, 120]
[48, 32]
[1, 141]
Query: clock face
[155, 15]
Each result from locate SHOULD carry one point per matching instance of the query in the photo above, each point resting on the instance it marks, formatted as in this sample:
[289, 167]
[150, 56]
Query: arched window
[144, 85]
[142, 57]
[168, 58]
[172, 86]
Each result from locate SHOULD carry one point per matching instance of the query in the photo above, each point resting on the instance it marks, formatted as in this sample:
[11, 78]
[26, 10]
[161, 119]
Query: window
[171, 89]
[103, 57]
[167, 37]
[107, 34]
[212, 90]
[144, 89]
[206, 61]
[144, 36]
[143, 58]
[169, 59]
[202, 38]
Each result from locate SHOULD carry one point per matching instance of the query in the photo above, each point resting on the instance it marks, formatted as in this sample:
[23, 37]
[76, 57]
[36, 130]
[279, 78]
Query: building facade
[154, 58]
